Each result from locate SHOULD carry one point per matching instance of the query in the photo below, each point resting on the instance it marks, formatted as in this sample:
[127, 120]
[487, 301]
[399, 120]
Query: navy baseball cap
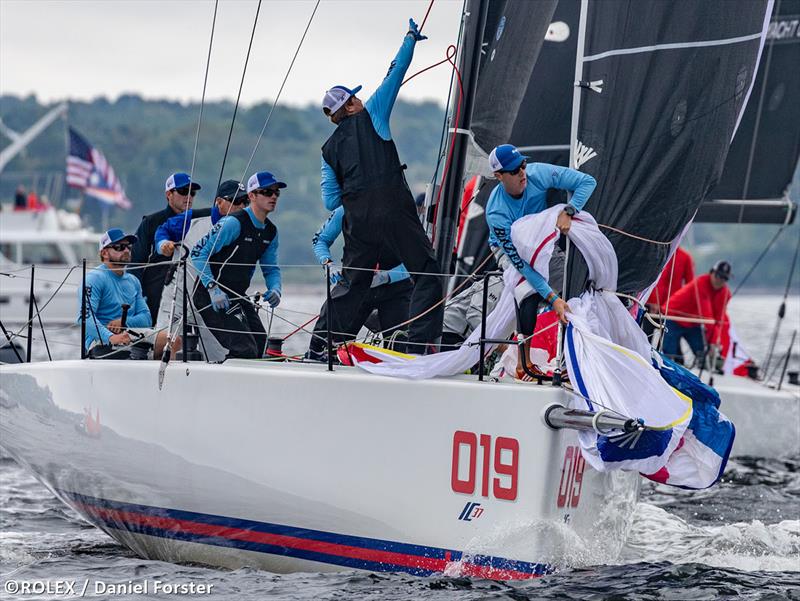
[180, 180]
[506, 158]
[231, 190]
[336, 97]
[115, 235]
[263, 179]
[722, 269]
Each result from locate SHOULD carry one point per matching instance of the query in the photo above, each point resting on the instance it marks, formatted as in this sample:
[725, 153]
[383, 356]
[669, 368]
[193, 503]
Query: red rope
[430, 6]
[451, 52]
[293, 332]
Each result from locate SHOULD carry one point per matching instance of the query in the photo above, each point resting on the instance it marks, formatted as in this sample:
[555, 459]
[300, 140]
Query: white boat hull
[767, 421]
[291, 468]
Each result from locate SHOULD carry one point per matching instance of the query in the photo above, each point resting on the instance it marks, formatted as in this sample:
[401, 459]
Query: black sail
[538, 121]
[663, 86]
[764, 154]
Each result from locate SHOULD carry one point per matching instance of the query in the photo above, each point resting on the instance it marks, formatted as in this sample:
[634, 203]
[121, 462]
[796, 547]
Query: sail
[512, 40]
[540, 125]
[662, 89]
[764, 154]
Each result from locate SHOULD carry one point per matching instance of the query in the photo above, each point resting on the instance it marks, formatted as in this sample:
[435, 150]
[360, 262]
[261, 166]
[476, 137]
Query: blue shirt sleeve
[95, 289]
[172, 229]
[225, 231]
[398, 274]
[139, 316]
[380, 104]
[329, 186]
[326, 236]
[500, 227]
[563, 178]
[269, 266]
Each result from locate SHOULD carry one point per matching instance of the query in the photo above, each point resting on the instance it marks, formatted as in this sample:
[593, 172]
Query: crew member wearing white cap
[361, 170]
[523, 191]
[108, 288]
[225, 260]
[179, 190]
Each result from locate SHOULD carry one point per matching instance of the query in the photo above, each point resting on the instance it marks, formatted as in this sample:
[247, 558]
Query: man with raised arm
[150, 267]
[523, 191]
[361, 171]
[226, 259]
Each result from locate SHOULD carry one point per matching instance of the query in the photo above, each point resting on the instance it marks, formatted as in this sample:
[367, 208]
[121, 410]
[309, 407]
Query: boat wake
[657, 535]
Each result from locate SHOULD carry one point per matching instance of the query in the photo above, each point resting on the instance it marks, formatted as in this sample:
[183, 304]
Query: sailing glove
[219, 300]
[414, 31]
[380, 278]
[273, 297]
[336, 277]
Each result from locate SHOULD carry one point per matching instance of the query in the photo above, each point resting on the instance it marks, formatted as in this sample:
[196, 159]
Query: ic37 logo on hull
[471, 511]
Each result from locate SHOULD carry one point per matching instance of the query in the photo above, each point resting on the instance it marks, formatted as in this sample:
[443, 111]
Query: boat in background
[56, 242]
[291, 467]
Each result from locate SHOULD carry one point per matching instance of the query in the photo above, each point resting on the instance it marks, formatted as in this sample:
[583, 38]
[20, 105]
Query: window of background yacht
[41, 253]
[9, 251]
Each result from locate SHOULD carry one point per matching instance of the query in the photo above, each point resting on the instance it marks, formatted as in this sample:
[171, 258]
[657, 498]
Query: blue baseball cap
[180, 180]
[263, 179]
[336, 97]
[115, 235]
[505, 157]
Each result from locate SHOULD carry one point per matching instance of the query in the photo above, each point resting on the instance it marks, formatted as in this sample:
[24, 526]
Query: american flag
[88, 170]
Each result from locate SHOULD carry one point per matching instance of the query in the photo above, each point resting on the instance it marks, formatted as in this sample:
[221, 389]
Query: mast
[25, 138]
[447, 214]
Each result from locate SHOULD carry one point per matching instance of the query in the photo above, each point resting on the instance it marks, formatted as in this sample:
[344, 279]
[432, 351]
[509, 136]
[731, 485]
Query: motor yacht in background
[56, 242]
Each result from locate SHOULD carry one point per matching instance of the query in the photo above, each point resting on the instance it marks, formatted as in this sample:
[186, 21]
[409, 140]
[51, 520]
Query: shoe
[523, 376]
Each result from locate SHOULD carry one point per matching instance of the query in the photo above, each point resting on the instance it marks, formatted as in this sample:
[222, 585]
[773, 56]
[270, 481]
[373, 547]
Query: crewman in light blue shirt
[225, 260]
[108, 287]
[523, 191]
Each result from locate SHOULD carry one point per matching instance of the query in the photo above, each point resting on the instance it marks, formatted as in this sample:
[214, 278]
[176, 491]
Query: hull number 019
[569, 489]
[499, 465]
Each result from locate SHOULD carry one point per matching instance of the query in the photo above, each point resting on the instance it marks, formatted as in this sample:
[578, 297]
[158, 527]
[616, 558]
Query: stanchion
[185, 304]
[30, 314]
[330, 315]
[83, 312]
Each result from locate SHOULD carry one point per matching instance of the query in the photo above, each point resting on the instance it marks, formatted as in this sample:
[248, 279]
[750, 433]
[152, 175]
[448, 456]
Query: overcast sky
[81, 49]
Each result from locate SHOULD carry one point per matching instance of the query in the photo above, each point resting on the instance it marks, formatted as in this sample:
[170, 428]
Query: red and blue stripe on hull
[353, 552]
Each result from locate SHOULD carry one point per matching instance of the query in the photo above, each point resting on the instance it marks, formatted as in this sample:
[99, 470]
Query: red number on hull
[505, 465]
[569, 488]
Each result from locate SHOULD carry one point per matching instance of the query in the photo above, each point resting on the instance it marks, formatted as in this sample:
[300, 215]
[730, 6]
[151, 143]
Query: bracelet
[551, 298]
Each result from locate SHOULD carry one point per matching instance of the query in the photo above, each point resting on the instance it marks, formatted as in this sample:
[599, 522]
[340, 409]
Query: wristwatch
[211, 285]
[570, 210]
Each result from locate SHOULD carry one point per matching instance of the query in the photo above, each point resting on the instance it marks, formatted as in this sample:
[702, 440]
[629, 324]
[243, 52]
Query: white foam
[656, 535]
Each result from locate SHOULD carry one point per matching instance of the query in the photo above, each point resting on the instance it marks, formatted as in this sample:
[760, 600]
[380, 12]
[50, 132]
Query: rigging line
[280, 90]
[624, 233]
[52, 296]
[449, 161]
[782, 308]
[758, 260]
[172, 336]
[239, 95]
[266, 122]
[430, 6]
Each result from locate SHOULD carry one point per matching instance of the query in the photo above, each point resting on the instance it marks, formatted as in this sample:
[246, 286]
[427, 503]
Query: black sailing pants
[380, 226]
[350, 311]
[239, 329]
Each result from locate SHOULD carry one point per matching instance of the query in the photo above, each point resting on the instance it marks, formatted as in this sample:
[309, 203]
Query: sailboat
[752, 189]
[293, 467]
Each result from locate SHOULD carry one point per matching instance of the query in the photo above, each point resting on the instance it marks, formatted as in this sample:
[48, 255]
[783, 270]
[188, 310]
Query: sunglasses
[522, 166]
[268, 192]
[120, 246]
[185, 191]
